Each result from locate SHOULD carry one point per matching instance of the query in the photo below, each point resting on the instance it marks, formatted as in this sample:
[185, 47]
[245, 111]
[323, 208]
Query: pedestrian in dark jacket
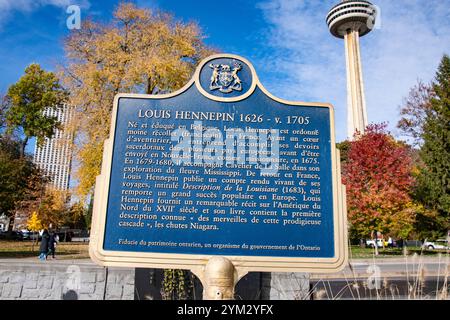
[43, 249]
[53, 240]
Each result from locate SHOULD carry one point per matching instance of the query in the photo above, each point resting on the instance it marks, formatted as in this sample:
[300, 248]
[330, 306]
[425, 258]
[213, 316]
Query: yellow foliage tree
[53, 207]
[140, 51]
[34, 223]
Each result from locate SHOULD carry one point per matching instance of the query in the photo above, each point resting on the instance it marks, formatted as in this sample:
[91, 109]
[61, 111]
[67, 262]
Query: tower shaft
[356, 102]
[350, 20]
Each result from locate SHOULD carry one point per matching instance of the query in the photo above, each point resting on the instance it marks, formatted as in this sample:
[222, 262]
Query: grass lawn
[78, 250]
[364, 253]
[26, 249]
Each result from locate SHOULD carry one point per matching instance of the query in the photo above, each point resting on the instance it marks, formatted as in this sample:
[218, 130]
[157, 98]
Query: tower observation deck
[350, 20]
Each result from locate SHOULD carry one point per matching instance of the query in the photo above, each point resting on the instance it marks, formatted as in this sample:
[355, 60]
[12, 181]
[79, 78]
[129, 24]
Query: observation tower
[350, 20]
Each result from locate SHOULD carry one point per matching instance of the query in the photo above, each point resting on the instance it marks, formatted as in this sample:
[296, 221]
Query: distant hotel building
[54, 157]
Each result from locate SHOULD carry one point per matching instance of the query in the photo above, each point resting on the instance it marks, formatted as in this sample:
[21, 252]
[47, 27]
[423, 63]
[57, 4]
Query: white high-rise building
[54, 157]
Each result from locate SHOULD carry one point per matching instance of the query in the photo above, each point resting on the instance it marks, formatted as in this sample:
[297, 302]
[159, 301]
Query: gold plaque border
[196, 261]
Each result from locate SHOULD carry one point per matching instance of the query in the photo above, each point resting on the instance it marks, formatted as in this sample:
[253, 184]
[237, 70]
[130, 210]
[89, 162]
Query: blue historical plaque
[220, 167]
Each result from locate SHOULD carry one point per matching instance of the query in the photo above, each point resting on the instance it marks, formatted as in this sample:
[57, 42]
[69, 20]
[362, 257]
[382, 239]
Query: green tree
[344, 147]
[88, 215]
[434, 177]
[20, 179]
[76, 217]
[3, 108]
[26, 102]
[414, 112]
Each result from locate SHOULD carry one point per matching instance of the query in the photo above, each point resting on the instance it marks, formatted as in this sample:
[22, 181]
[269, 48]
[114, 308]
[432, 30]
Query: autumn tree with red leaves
[378, 177]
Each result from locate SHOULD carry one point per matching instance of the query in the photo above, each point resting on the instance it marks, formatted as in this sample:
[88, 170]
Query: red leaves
[378, 179]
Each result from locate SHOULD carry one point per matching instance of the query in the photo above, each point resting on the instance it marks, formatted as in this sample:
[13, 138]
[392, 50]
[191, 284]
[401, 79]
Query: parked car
[11, 235]
[371, 243]
[29, 235]
[75, 235]
[80, 239]
[413, 243]
[65, 236]
[440, 244]
[4, 235]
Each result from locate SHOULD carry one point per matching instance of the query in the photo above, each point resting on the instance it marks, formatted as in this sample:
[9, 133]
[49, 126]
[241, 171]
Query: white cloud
[8, 7]
[310, 63]
[30, 5]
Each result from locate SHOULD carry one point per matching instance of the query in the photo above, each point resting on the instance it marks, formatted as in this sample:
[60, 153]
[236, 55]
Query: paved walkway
[35, 260]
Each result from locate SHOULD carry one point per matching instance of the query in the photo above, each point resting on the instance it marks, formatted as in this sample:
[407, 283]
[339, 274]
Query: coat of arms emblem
[225, 78]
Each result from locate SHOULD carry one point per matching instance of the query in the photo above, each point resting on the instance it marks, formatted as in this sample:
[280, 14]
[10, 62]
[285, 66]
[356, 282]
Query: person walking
[53, 240]
[43, 249]
[390, 242]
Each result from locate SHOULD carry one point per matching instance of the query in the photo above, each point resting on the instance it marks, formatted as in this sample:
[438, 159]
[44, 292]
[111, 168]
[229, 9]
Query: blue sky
[286, 40]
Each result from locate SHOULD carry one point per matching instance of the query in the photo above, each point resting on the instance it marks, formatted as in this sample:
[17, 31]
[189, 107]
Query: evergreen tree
[434, 177]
